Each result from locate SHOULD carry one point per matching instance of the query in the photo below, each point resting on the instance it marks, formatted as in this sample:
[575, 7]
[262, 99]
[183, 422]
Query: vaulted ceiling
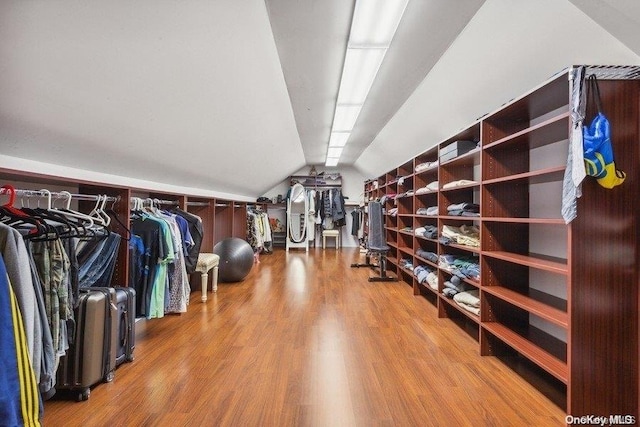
[235, 95]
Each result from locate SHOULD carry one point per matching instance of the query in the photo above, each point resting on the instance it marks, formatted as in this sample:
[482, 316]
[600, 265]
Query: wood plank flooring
[305, 340]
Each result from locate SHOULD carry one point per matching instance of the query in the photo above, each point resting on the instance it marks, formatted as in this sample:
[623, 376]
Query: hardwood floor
[305, 340]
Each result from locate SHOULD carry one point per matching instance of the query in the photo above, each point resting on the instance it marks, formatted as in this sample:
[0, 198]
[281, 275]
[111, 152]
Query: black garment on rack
[196, 230]
[142, 281]
[355, 222]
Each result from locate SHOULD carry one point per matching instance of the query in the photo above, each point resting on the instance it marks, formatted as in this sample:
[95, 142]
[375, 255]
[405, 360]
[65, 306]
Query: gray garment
[337, 204]
[16, 260]
[47, 372]
[574, 172]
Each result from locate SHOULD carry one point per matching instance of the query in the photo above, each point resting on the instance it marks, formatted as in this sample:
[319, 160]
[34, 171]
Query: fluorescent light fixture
[373, 27]
[334, 152]
[358, 74]
[345, 117]
[331, 161]
[339, 139]
[375, 22]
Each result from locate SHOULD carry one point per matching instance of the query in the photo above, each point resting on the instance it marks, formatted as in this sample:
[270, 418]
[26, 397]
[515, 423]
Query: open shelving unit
[560, 298]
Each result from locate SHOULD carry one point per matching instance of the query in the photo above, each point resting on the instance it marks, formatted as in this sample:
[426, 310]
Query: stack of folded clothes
[431, 210]
[463, 209]
[461, 266]
[386, 197]
[458, 183]
[455, 285]
[406, 263]
[429, 256]
[469, 300]
[421, 272]
[428, 231]
[432, 280]
[432, 186]
[426, 165]
[468, 235]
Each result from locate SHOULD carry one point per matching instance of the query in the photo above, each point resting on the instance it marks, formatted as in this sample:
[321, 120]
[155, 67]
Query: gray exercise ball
[236, 259]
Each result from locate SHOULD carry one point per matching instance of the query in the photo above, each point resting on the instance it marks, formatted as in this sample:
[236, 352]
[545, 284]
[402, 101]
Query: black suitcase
[126, 304]
[90, 358]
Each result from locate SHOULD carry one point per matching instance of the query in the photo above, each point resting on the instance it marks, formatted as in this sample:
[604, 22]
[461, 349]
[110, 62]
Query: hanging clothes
[96, 260]
[196, 232]
[333, 209]
[312, 215]
[42, 250]
[259, 231]
[20, 403]
[159, 248]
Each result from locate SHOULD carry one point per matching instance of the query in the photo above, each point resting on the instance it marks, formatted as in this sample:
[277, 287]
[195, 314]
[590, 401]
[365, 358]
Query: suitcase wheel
[130, 358]
[83, 395]
[110, 376]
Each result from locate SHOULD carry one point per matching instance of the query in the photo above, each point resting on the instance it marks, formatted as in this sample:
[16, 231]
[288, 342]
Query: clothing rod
[166, 202]
[197, 203]
[57, 195]
[221, 205]
[156, 201]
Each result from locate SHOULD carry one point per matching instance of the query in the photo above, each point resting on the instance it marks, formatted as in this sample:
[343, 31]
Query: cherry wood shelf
[552, 264]
[452, 304]
[469, 158]
[534, 306]
[522, 345]
[427, 262]
[460, 218]
[428, 288]
[536, 136]
[550, 221]
[466, 248]
[426, 239]
[460, 188]
[532, 177]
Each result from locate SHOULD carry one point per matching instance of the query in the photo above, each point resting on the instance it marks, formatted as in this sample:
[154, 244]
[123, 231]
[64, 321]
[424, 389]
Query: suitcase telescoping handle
[124, 328]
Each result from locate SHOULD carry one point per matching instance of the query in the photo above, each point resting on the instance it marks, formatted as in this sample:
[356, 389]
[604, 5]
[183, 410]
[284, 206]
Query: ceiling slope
[183, 93]
[312, 39]
[619, 17]
[505, 50]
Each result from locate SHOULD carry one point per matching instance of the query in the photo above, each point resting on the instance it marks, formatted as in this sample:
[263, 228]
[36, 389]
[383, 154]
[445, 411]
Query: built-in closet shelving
[221, 218]
[558, 302]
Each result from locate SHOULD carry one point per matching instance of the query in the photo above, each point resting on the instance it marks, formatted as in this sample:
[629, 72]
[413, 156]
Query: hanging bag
[598, 150]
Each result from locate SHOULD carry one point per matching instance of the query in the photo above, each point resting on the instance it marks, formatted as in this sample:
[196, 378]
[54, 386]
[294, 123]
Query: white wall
[508, 48]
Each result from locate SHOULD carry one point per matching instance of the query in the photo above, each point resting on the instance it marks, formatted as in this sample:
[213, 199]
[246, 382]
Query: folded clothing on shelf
[467, 235]
[469, 300]
[426, 165]
[463, 209]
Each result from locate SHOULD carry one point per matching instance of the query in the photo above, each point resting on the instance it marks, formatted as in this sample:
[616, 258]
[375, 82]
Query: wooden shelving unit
[562, 296]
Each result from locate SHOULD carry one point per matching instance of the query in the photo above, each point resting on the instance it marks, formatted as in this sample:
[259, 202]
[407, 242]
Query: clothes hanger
[19, 219]
[66, 210]
[112, 213]
[95, 213]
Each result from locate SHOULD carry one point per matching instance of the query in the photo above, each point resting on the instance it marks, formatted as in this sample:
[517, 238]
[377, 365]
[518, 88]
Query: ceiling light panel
[338, 139]
[372, 29]
[345, 117]
[331, 161]
[360, 69]
[375, 22]
[334, 152]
